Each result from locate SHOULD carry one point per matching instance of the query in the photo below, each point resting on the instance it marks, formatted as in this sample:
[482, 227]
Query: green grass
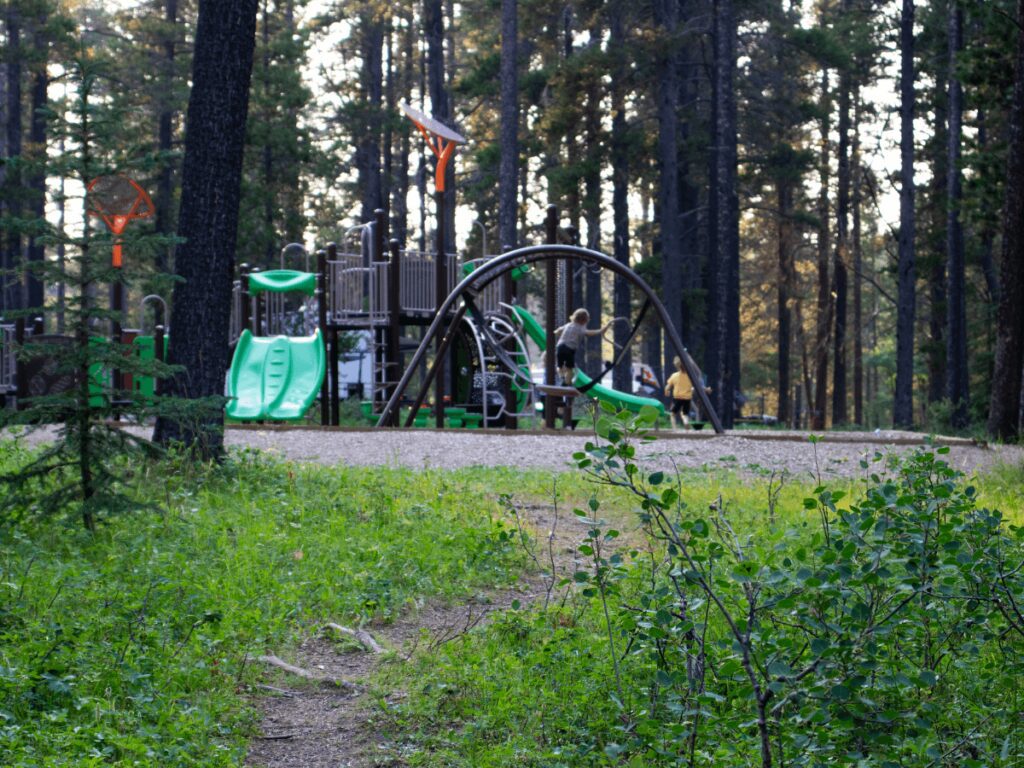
[133, 646]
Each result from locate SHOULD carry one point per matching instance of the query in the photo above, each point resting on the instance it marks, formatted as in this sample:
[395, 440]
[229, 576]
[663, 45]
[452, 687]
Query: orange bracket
[441, 139]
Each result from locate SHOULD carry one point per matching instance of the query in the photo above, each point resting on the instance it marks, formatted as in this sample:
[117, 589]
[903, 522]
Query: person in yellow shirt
[680, 389]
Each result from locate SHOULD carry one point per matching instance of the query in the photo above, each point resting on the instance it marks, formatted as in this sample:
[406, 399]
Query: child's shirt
[572, 335]
[681, 386]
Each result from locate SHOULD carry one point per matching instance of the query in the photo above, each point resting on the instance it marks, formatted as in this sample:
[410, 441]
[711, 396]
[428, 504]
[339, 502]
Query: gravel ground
[745, 451]
[838, 454]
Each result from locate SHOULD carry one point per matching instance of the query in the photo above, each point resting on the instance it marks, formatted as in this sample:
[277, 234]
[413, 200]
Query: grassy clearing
[576, 685]
[131, 647]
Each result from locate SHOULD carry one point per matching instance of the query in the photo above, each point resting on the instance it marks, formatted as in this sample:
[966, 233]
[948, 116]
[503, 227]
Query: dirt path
[306, 725]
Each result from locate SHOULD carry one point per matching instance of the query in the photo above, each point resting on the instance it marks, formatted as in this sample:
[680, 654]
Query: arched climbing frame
[477, 280]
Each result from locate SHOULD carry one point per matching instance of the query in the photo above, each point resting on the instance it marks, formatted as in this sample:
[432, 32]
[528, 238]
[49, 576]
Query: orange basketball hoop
[117, 200]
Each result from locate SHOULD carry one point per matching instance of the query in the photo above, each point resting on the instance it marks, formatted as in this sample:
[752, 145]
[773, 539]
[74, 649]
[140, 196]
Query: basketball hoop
[117, 200]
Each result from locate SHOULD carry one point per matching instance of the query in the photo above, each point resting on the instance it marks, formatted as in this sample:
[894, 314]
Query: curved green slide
[275, 377]
[621, 400]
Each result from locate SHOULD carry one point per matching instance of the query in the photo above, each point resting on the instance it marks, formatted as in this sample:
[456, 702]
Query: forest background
[816, 189]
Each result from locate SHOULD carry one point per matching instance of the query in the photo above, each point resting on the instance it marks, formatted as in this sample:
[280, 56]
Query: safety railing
[8, 362]
[349, 282]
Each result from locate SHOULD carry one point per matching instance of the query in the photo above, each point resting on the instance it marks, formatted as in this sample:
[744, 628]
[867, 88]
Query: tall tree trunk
[857, 173]
[164, 203]
[37, 142]
[592, 204]
[400, 189]
[667, 18]
[508, 169]
[839, 272]
[210, 196]
[724, 218]
[824, 318]
[372, 49]
[784, 199]
[10, 242]
[1004, 416]
[433, 20]
[621, 376]
[903, 405]
[957, 387]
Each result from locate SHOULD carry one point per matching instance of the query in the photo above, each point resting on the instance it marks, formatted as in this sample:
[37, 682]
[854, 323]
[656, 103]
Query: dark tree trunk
[621, 376]
[433, 20]
[164, 203]
[692, 217]
[824, 318]
[10, 242]
[390, 106]
[37, 141]
[592, 206]
[372, 50]
[208, 221]
[508, 170]
[1004, 409]
[400, 190]
[667, 18]
[903, 406]
[858, 267]
[784, 199]
[839, 272]
[957, 388]
[723, 375]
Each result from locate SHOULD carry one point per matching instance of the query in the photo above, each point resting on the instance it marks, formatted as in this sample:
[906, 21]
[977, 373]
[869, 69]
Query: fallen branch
[361, 636]
[275, 689]
[277, 737]
[338, 682]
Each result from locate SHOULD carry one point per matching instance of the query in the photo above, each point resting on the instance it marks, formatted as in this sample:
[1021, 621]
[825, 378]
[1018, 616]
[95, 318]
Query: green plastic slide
[275, 377]
[621, 400]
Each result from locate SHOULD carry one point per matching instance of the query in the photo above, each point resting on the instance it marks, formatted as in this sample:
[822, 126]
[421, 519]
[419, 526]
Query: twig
[275, 689]
[274, 661]
[361, 636]
[277, 737]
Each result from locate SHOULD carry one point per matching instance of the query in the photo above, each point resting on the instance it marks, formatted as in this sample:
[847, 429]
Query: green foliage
[875, 628]
[134, 645]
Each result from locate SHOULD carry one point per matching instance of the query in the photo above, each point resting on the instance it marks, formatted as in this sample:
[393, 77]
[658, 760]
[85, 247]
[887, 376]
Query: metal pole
[321, 319]
[550, 301]
[394, 339]
[332, 255]
[391, 412]
[246, 316]
[440, 291]
[158, 355]
[508, 295]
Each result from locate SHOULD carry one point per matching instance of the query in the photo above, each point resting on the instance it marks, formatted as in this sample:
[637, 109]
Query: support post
[332, 360]
[257, 321]
[394, 339]
[321, 320]
[550, 302]
[443, 344]
[508, 296]
[158, 355]
[243, 276]
[440, 292]
[117, 308]
[20, 384]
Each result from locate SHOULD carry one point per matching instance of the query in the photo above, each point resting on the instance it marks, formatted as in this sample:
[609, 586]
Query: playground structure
[481, 368]
[117, 200]
[477, 330]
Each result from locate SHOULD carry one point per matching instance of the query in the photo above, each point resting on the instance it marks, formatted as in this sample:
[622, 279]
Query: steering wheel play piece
[117, 200]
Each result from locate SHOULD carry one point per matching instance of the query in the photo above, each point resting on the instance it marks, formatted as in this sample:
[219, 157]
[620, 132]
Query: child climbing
[571, 334]
[680, 388]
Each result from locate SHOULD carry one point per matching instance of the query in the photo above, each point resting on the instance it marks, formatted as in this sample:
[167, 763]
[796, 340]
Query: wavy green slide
[621, 400]
[275, 377]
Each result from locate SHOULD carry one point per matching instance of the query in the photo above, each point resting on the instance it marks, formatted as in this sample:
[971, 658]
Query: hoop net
[117, 200]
